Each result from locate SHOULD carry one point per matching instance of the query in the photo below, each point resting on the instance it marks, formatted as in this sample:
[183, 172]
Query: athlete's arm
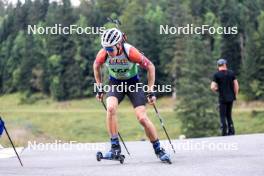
[137, 57]
[151, 76]
[97, 73]
[99, 61]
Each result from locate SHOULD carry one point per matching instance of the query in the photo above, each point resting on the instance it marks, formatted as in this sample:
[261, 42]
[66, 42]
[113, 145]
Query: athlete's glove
[99, 92]
[151, 98]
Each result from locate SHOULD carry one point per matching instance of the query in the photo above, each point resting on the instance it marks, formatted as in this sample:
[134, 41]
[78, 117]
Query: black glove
[150, 95]
[99, 90]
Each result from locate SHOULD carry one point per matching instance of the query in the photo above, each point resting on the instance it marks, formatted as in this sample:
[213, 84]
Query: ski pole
[114, 21]
[162, 124]
[117, 23]
[117, 132]
[12, 144]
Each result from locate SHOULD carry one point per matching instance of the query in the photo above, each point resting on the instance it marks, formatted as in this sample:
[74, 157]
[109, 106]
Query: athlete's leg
[111, 123]
[151, 132]
[111, 118]
[143, 119]
[113, 99]
[138, 99]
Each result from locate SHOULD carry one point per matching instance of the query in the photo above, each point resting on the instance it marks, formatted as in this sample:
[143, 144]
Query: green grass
[78, 120]
[247, 122]
[84, 120]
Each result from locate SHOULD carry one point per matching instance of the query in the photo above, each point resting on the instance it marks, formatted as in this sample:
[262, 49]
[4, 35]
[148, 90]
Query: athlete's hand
[100, 96]
[100, 92]
[151, 98]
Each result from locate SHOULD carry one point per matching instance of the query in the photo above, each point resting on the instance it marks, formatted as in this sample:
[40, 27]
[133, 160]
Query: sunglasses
[109, 49]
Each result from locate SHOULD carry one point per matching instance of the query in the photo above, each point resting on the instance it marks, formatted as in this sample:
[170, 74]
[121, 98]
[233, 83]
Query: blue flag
[2, 124]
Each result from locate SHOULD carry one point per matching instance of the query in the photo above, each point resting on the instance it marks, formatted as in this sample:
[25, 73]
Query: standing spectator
[225, 83]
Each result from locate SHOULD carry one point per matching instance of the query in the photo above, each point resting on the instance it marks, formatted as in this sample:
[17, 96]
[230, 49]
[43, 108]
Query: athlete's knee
[142, 116]
[143, 120]
[111, 109]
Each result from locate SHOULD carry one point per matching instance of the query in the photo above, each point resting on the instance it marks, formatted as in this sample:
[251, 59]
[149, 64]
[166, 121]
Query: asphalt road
[241, 155]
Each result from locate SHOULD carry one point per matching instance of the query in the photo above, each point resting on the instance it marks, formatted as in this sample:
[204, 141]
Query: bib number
[120, 70]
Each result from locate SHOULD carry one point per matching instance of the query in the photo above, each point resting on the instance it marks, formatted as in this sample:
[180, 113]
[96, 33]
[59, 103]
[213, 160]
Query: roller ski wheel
[118, 157]
[168, 161]
[121, 159]
[99, 156]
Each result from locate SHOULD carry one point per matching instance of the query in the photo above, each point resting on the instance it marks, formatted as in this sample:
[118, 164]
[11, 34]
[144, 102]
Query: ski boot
[160, 152]
[113, 154]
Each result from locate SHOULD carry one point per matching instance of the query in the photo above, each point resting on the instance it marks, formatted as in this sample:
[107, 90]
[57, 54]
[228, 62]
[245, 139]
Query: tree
[196, 108]
[84, 56]
[231, 49]
[173, 47]
[142, 30]
[69, 79]
[253, 64]
[37, 11]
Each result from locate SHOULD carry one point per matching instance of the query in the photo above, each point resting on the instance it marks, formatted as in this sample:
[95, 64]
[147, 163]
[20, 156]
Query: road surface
[241, 155]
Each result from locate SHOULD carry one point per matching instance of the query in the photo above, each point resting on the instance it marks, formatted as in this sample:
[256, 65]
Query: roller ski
[113, 154]
[160, 152]
[120, 158]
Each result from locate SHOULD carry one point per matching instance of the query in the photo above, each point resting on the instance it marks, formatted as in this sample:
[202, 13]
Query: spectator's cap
[221, 62]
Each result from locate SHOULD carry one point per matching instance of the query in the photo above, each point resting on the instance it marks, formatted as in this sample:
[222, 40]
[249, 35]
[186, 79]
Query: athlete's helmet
[111, 37]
